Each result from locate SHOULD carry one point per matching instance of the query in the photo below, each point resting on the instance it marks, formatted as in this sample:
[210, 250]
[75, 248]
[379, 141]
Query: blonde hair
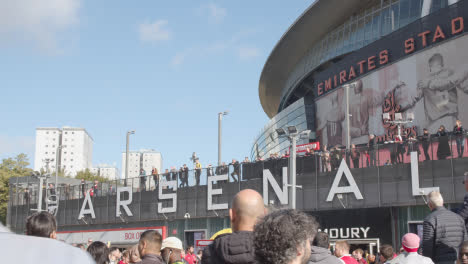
[435, 198]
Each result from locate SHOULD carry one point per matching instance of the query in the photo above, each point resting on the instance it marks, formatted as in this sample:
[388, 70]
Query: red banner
[313, 146]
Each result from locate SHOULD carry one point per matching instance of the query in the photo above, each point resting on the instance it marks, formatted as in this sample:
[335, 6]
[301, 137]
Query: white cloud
[178, 59]
[10, 146]
[246, 53]
[154, 32]
[37, 21]
[212, 11]
[233, 45]
[216, 12]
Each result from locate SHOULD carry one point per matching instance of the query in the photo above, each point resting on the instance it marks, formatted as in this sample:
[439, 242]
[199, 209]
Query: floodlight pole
[126, 155]
[220, 120]
[292, 168]
[348, 135]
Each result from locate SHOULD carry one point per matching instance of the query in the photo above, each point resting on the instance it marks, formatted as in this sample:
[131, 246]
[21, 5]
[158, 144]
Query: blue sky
[163, 68]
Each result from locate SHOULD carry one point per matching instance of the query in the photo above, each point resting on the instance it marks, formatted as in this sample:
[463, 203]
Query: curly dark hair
[278, 235]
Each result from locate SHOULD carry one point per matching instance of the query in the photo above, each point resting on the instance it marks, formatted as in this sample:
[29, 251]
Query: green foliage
[11, 167]
[89, 176]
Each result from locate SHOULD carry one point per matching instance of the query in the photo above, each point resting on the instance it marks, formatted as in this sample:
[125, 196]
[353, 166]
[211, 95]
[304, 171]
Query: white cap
[172, 242]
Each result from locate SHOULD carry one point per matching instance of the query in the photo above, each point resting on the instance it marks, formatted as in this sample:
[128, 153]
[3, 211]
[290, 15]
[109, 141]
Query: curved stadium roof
[319, 19]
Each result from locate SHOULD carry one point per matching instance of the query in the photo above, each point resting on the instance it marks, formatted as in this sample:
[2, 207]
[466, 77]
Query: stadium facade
[388, 55]
[372, 48]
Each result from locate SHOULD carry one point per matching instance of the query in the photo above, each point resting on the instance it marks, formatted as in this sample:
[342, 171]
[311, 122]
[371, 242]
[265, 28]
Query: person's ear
[231, 215]
[53, 235]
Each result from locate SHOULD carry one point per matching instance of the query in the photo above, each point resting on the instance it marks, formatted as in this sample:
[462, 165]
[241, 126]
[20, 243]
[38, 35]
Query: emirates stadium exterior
[379, 49]
[391, 56]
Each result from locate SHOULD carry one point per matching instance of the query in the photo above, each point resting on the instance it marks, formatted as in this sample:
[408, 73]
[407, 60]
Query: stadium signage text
[348, 232]
[281, 191]
[355, 65]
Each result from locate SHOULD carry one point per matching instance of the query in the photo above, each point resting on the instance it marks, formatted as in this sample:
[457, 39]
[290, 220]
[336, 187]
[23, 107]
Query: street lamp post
[292, 135]
[57, 156]
[126, 155]
[220, 119]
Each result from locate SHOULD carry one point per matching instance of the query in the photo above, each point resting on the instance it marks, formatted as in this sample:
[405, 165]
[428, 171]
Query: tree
[11, 167]
[89, 176]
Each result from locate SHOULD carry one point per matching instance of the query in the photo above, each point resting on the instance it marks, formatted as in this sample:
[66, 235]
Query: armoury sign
[279, 189]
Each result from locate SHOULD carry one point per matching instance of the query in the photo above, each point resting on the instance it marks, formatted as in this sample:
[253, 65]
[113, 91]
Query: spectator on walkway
[246, 160]
[426, 142]
[31, 249]
[284, 237]
[174, 173]
[342, 252]
[463, 255]
[410, 243]
[26, 196]
[185, 170]
[443, 149]
[95, 189]
[99, 252]
[371, 259]
[222, 169]
[372, 148]
[355, 156]
[149, 247]
[358, 255]
[459, 134]
[155, 174]
[237, 247]
[320, 251]
[83, 187]
[42, 224]
[209, 171]
[198, 169]
[171, 250]
[443, 231]
[386, 254]
[236, 170]
[190, 256]
[142, 180]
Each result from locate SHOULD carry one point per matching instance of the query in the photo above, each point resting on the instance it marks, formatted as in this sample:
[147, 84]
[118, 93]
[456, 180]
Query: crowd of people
[259, 235]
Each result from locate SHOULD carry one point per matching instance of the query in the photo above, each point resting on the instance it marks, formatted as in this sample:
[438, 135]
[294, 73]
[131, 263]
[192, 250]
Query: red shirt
[191, 258]
[349, 260]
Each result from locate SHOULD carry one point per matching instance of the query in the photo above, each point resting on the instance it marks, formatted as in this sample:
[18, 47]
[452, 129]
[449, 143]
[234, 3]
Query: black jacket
[322, 256]
[231, 248]
[443, 233]
[463, 211]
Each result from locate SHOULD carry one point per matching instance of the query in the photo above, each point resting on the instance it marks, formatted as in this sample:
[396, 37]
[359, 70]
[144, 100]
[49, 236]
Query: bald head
[247, 207]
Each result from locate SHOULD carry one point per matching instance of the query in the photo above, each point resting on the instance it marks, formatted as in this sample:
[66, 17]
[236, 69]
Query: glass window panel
[376, 25]
[415, 10]
[395, 17]
[386, 21]
[438, 4]
[404, 12]
[367, 30]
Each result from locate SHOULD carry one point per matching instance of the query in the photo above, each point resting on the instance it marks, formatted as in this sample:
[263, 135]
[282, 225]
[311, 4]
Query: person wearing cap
[410, 244]
[171, 249]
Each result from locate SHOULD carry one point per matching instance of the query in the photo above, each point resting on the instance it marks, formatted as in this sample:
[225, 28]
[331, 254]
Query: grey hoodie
[322, 256]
